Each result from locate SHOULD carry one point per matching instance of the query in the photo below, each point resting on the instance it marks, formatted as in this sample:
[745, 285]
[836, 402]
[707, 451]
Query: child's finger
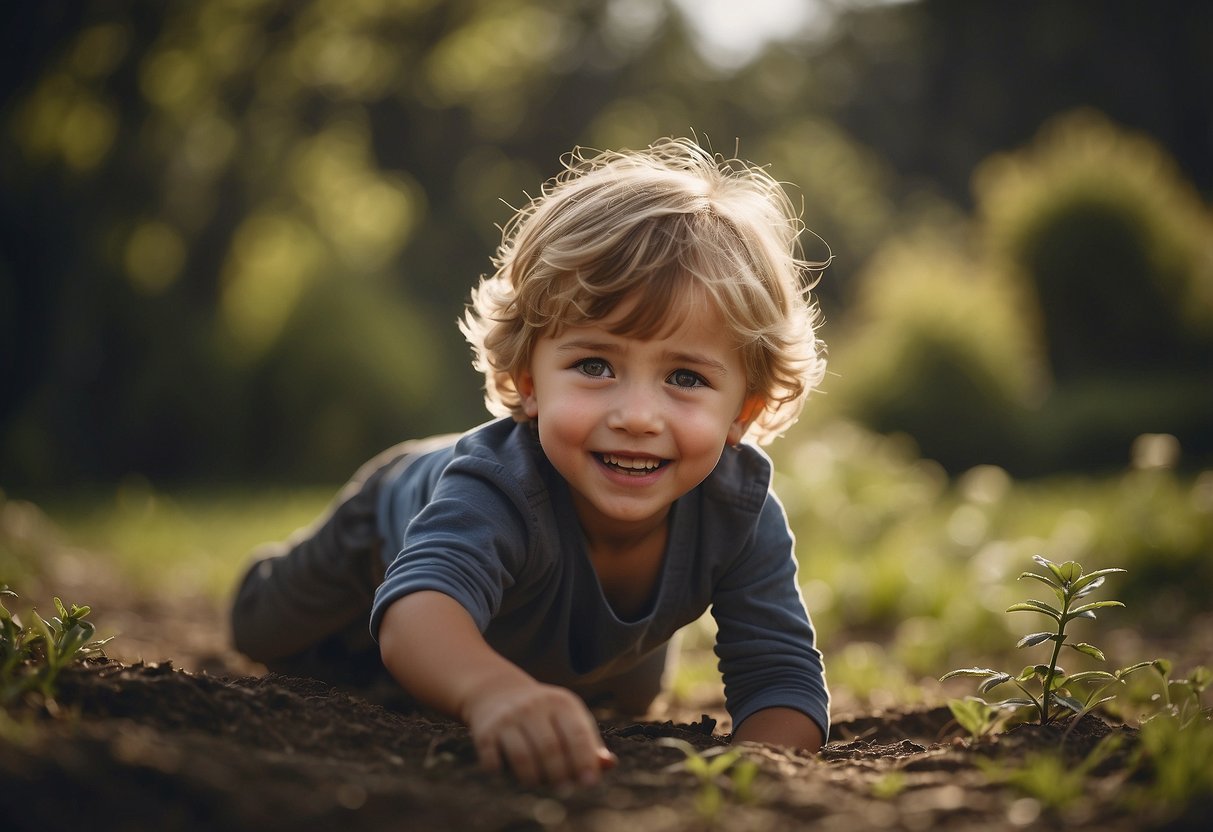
[520, 755]
[487, 751]
[584, 746]
[551, 751]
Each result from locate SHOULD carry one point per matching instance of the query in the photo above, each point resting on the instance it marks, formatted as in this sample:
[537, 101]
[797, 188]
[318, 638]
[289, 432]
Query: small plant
[1070, 584]
[719, 771]
[31, 657]
[889, 785]
[975, 715]
[1174, 762]
[1048, 777]
[1183, 698]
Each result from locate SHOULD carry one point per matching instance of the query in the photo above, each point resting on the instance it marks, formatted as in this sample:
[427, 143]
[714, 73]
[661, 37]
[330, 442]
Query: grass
[894, 552]
[198, 539]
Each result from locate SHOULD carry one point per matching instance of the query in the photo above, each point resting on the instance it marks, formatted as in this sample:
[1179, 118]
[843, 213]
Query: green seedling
[719, 771]
[1048, 777]
[1183, 698]
[1070, 584]
[1174, 760]
[32, 656]
[889, 785]
[977, 716]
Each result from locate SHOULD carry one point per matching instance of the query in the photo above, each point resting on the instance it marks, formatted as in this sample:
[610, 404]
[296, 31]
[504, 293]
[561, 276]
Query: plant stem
[1048, 688]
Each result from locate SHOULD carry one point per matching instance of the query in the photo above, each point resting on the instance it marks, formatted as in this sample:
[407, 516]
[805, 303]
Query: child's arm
[773, 676]
[780, 726]
[432, 646]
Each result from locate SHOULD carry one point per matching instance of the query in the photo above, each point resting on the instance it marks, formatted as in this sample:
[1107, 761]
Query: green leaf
[95, 646]
[1090, 706]
[73, 640]
[1092, 675]
[1094, 605]
[970, 671]
[1050, 565]
[973, 714]
[743, 776]
[1041, 671]
[1088, 589]
[1068, 702]
[1133, 668]
[1033, 605]
[993, 682]
[42, 632]
[720, 764]
[1089, 650]
[59, 608]
[1070, 571]
[1057, 590]
[1033, 639]
[1092, 580]
[1163, 666]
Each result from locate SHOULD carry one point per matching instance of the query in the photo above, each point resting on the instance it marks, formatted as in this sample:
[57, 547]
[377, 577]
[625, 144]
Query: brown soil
[175, 732]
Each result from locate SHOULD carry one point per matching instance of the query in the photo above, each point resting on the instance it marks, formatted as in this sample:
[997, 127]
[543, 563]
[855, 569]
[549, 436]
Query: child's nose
[636, 409]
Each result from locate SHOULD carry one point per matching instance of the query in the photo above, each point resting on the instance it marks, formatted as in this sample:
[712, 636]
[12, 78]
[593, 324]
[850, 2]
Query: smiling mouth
[635, 466]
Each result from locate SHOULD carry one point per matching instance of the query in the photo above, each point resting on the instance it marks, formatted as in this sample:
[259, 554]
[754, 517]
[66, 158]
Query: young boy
[646, 314]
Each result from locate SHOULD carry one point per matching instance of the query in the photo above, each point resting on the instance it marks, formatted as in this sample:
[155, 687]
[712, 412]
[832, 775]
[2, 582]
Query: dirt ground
[175, 732]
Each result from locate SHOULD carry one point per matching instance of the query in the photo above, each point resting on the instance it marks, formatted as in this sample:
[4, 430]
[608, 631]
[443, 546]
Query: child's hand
[543, 732]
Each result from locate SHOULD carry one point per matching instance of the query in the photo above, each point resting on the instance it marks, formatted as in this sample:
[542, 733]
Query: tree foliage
[235, 234]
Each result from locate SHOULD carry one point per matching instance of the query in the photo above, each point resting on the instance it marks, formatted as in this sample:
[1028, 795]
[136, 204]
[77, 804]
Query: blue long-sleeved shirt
[489, 522]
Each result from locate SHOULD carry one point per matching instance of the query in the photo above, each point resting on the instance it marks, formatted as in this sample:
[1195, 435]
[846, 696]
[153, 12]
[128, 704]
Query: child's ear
[750, 409]
[524, 383]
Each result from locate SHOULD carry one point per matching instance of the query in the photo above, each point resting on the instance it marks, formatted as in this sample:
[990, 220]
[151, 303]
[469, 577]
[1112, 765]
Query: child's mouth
[633, 466]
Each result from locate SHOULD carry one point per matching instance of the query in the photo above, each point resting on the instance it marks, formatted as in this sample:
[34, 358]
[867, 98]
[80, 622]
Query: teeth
[631, 462]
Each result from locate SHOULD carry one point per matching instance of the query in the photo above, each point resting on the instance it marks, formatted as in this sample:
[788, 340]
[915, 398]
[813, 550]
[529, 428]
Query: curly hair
[656, 224]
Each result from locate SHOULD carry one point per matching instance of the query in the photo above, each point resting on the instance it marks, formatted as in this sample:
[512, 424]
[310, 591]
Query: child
[646, 314]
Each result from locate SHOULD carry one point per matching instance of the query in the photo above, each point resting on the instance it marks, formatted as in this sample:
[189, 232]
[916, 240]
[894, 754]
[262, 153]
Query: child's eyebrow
[587, 346]
[698, 360]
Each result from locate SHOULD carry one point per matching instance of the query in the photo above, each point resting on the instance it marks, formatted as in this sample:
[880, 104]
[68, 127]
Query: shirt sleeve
[765, 640]
[468, 542]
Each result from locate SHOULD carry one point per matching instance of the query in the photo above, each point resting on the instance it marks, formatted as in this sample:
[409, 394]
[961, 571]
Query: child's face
[632, 424]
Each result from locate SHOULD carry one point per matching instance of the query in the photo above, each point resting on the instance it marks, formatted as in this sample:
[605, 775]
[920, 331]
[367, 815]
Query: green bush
[353, 372]
[1076, 316]
[940, 349]
[1112, 243]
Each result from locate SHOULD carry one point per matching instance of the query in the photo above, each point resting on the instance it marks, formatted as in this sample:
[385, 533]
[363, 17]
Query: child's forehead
[634, 316]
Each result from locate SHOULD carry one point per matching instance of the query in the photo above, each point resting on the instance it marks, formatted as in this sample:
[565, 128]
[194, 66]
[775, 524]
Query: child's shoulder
[483, 466]
[506, 453]
[503, 439]
[741, 479]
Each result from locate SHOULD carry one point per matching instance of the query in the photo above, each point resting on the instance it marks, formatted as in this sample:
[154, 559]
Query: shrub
[940, 349]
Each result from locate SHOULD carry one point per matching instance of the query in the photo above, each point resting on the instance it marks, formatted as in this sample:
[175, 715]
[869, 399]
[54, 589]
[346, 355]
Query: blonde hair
[659, 223]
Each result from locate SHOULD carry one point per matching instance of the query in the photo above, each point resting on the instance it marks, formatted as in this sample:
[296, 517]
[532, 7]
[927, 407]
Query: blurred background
[235, 236]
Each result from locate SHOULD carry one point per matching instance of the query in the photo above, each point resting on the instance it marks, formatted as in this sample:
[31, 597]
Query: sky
[733, 31]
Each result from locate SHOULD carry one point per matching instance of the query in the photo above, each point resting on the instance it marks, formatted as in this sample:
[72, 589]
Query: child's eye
[594, 367]
[686, 379]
